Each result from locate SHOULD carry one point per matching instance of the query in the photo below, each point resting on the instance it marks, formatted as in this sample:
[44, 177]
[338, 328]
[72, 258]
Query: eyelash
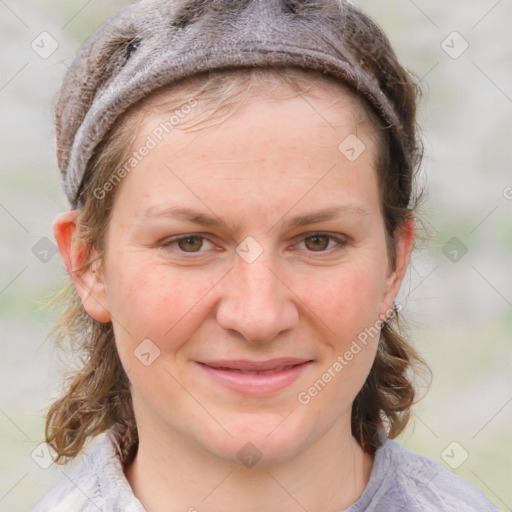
[168, 243]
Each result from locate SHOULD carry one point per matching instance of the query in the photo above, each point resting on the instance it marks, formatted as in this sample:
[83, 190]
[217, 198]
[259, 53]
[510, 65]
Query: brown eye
[190, 243]
[317, 242]
[193, 244]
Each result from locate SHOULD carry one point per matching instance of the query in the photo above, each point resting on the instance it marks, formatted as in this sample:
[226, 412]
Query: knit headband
[154, 43]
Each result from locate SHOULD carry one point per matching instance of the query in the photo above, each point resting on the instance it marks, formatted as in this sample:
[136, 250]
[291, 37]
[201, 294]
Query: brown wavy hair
[97, 393]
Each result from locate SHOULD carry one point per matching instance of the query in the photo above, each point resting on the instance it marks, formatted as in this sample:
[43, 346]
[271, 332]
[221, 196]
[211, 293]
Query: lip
[240, 375]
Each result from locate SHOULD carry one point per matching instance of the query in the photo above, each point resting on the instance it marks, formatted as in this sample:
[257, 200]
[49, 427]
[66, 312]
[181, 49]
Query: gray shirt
[400, 481]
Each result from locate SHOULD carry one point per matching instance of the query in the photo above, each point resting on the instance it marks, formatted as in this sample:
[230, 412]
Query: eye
[195, 243]
[320, 242]
[186, 243]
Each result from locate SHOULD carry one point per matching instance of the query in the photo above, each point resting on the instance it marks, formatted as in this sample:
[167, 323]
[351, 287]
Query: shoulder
[78, 490]
[403, 480]
[97, 482]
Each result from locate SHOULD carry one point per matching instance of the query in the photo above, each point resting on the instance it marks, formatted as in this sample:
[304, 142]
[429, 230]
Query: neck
[171, 473]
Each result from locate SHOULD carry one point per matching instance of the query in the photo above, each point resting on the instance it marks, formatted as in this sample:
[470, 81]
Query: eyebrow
[197, 217]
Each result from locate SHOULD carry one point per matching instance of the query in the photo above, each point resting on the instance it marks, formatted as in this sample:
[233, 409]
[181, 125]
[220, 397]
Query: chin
[261, 441]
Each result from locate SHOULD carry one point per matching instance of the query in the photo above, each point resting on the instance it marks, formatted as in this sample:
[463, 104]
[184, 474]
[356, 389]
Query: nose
[256, 303]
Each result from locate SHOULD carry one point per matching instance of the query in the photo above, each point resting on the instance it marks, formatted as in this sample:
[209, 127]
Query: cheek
[347, 299]
[155, 301]
[347, 303]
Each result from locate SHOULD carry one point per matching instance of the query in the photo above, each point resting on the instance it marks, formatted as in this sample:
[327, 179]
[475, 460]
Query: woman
[241, 180]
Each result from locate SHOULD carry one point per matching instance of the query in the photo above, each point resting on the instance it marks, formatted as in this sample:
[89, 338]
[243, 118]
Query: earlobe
[87, 281]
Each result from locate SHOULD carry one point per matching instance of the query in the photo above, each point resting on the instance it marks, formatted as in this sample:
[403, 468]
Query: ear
[88, 283]
[404, 246]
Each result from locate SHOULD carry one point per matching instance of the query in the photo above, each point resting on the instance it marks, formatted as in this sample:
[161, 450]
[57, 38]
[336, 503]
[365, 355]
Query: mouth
[256, 377]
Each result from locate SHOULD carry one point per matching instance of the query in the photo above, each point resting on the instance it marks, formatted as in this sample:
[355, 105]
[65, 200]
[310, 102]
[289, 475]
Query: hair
[97, 395]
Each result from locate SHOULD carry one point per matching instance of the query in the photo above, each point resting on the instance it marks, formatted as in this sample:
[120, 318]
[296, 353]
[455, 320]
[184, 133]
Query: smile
[256, 372]
[256, 378]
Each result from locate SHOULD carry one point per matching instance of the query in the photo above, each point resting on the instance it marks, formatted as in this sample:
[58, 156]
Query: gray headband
[154, 43]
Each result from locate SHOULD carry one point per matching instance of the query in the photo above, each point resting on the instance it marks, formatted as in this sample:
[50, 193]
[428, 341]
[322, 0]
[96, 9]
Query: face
[244, 264]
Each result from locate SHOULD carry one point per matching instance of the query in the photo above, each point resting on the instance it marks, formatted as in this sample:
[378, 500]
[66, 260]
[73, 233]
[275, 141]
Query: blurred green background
[459, 312]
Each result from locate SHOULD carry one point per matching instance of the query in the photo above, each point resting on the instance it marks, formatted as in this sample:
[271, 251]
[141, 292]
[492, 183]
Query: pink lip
[278, 374]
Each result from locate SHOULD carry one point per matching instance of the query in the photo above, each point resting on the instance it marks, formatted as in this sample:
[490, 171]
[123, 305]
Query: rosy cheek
[353, 301]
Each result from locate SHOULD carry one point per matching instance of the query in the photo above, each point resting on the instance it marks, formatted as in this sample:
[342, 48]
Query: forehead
[252, 114]
[218, 93]
[287, 125]
[266, 157]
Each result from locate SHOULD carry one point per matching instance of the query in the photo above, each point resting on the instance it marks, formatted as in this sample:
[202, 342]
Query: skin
[266, 164]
